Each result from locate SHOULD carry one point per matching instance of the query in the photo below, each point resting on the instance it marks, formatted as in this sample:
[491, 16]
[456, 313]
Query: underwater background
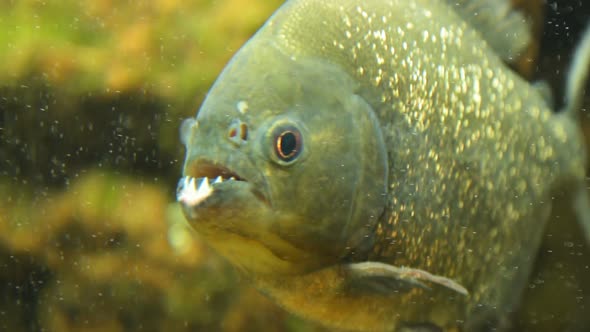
[92, 94]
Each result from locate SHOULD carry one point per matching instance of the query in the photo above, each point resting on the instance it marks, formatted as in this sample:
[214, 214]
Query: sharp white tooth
[186, 190]
[192, 187]
[188, 193]
[204, 184]
[218, 179]
[204, 189]
[181, 187]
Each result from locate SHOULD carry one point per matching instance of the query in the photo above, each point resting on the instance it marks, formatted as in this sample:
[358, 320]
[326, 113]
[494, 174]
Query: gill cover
[337, 185]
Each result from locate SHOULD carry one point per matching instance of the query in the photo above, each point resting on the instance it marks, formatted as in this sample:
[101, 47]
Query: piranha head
[285, 168]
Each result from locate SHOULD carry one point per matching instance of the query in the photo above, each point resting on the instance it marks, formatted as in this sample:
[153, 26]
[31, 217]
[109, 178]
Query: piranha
[377, 166]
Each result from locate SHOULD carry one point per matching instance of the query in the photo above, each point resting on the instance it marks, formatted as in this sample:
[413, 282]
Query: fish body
[375, 165]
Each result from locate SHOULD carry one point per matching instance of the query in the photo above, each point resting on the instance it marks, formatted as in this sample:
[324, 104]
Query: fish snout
[186, 131]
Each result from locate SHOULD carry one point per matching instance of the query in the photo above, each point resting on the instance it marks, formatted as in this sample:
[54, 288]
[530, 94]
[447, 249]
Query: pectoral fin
[385, 278]
[544, 90]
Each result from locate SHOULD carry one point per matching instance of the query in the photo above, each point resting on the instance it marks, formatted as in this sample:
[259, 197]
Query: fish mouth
[204, 178]
[212, 170]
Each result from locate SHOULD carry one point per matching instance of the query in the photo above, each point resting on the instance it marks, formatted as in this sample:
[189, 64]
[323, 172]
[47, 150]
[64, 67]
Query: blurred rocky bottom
[111, 253]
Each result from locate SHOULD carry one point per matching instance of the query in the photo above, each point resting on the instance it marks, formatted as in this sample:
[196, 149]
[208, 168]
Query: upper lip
[209, 169]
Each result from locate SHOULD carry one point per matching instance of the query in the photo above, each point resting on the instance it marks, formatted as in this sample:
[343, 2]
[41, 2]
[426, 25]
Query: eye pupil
[287, 144]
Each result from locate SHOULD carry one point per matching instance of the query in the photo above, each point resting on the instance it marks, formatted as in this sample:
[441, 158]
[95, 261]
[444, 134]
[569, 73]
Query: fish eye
[287, 143]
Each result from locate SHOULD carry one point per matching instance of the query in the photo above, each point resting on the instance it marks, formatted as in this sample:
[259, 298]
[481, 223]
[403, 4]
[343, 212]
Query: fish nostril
[243, 131]
[238, 132]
